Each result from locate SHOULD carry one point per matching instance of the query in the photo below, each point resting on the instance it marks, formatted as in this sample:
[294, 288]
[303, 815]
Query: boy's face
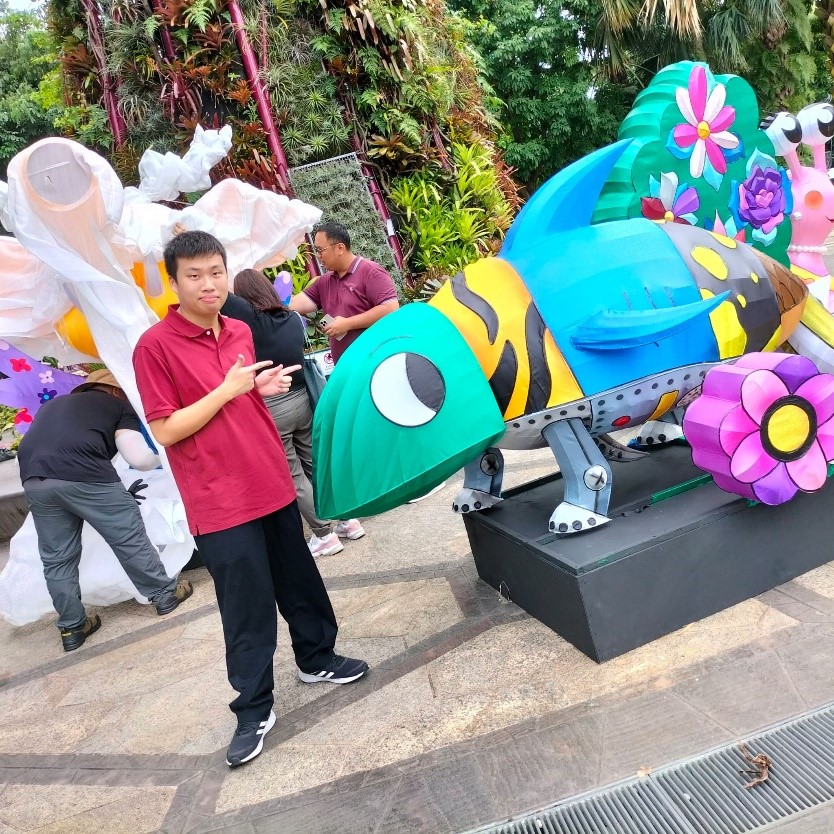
[201, 285]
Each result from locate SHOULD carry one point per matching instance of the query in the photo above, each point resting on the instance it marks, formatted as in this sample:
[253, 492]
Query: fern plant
[199, 13]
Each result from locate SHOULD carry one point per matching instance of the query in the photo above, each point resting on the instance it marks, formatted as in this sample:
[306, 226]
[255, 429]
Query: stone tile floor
[473, 711]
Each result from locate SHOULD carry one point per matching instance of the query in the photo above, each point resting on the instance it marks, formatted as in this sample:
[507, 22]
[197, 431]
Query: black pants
[254, 566]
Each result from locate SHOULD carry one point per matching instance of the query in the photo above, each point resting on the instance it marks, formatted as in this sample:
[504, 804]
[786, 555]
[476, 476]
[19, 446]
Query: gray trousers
[293, 418]
[59, 510]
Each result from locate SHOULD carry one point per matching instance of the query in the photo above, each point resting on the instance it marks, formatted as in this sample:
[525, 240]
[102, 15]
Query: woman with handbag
[280, 335]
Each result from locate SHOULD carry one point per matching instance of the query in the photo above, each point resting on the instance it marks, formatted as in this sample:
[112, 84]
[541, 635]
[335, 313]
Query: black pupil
[794, 132]
[827, 126]
[425, 381]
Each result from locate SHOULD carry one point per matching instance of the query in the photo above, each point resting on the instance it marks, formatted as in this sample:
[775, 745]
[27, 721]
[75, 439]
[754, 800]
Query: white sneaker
[325, 546]
[350, 529]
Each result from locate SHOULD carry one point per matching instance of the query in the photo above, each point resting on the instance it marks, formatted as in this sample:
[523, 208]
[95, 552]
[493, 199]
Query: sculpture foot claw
[472, 500]
[569, 518]
[614, 450]
[657, 432]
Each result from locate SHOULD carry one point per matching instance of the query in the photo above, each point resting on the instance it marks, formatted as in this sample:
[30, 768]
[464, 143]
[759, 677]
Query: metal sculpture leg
[481, 483]
[587, 477]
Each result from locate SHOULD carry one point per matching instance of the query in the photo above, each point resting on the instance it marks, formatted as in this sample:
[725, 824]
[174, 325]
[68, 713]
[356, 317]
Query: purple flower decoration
[46, 395]
[761, 199]
[671, 202]
[763, 427]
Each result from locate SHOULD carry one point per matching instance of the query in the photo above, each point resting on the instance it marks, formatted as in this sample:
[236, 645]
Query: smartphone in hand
[324, 321]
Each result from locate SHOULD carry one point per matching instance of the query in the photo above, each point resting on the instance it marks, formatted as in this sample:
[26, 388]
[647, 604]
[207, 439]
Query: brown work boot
[73, 638]
[180, 594]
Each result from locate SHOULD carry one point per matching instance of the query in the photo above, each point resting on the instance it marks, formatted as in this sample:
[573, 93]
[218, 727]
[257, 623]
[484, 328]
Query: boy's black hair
[334, 232]
[190, 245]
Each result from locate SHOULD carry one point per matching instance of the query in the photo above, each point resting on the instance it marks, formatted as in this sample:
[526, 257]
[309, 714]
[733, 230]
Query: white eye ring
[408, 389]
[785, 132]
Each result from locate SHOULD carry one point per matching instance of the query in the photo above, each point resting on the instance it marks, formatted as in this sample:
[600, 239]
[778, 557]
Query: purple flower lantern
[763, 426]
[761, 199]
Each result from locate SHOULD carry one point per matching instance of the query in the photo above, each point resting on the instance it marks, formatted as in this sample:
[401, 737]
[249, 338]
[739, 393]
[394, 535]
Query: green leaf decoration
[695, 143]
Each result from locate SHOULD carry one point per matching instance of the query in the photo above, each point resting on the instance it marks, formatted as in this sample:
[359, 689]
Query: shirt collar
[183, 326]
[350, 270]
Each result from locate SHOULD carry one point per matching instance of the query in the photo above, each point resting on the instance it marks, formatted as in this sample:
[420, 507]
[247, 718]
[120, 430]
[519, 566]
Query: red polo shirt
[365, 285]
[234, 469]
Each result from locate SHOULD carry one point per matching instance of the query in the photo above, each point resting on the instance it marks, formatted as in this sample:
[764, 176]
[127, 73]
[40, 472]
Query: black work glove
[136, 488]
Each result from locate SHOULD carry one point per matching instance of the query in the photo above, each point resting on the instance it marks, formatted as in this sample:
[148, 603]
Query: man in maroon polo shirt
[196, 376]
[354, 291]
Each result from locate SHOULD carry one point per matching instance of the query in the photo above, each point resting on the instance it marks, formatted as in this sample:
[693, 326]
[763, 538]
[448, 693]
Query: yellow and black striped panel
[490, 306]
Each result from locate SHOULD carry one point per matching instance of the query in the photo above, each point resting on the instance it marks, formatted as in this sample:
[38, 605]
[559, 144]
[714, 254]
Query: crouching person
[68, 478]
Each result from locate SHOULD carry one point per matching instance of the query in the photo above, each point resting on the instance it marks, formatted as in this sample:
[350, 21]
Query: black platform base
[662, 562]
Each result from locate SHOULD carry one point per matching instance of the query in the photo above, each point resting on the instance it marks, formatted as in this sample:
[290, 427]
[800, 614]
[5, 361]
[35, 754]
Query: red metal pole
[117, 123]
[379, 202]
[250, 66]
[167, 42]
[256, 85]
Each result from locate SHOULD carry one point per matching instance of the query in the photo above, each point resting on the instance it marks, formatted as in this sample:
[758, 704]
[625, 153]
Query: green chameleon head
[406, 407]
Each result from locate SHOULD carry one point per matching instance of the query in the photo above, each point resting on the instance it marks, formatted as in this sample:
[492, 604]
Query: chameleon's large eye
[408, 389]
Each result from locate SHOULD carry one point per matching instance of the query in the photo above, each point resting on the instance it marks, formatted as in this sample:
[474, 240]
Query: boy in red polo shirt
[196, 375]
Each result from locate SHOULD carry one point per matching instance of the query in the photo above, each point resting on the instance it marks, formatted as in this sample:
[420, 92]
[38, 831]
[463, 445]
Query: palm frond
[681, 16]
[619, 15]
[728, 31]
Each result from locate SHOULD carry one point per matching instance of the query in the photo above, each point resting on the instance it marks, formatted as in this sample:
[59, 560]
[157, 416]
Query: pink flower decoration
[763, 426]
[707, 120]
[719, 228]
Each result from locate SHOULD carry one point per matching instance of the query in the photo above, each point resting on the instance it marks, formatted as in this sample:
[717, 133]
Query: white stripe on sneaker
[262, 730]
[329, 676]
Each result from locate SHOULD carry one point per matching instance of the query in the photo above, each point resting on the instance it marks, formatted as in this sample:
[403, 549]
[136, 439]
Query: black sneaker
[73, 638]
[180, 594]
[338, 670]
[248, 740]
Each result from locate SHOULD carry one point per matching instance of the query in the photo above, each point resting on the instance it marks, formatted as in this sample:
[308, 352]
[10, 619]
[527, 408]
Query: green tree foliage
[538, 59]
[776, 45]
[792, 71]
[29, 84]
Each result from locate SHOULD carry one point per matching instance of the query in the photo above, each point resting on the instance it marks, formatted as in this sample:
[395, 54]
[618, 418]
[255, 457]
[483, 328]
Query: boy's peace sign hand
[276, 380]
[241, 378]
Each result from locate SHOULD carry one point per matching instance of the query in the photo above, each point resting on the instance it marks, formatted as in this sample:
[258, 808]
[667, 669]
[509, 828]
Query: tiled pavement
[473, 711]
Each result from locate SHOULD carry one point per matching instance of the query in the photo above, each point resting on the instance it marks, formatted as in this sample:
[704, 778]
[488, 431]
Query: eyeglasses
[319, 249]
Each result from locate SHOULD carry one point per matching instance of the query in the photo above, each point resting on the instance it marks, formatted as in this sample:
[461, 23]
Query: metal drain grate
[705, 795]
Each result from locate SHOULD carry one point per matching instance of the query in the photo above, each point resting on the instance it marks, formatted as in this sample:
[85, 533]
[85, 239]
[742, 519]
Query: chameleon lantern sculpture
[571, 332]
